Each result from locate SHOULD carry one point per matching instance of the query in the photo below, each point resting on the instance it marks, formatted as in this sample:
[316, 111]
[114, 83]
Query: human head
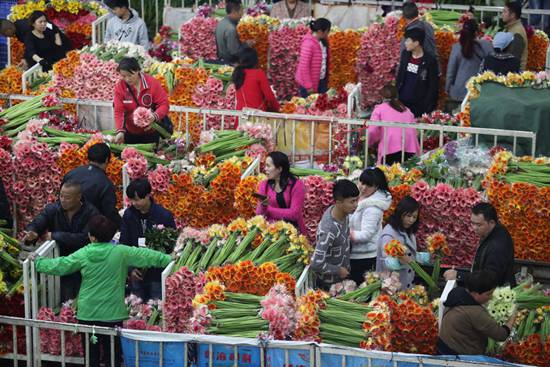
[101, 229]
[139, 193]
[371, 180]
[320, 28]
[502, 40]
[468, 35]
[414, 39]
[7, 28]
[119, 7]
[248, 59]
[234, 9]
[70, 195]
[405, 216]
[38, 20]
[277, 166]
[346, 195]
[410, 11]
[481, 285]
[484, 219]
[389, 92]
[129, 70]
[511, 12]
[99, 154]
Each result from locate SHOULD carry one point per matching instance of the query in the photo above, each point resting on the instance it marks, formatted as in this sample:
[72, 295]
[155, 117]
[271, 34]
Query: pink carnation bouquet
[146, 119]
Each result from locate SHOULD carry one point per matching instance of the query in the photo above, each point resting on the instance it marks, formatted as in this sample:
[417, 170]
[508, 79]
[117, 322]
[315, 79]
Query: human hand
[251, 43]
[136, 275]
[343, 272]
[404, 260]
[119, 138]
[33, 256]
[450, 274]
[30, 236]
[48, 236]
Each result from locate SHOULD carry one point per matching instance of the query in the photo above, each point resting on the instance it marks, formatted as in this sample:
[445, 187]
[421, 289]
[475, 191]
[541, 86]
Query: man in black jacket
[417, 78]
[65, 222]
[496, 247]
[143, 214]
[97, 188]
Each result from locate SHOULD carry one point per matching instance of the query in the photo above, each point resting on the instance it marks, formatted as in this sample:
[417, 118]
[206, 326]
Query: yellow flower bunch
[23, 11]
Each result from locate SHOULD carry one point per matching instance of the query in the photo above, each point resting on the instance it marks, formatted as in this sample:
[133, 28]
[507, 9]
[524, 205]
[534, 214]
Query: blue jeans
[535, 20]
[323, 87]
[146, 289]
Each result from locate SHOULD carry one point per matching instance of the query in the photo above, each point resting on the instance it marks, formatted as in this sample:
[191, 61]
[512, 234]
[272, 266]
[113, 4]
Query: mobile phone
[259, 196]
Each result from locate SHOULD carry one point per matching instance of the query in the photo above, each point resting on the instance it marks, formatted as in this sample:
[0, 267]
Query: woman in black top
[45, 44]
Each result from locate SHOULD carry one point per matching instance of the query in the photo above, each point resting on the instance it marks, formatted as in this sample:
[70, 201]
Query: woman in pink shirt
[312, 70]
[284, 193]
[393, 111]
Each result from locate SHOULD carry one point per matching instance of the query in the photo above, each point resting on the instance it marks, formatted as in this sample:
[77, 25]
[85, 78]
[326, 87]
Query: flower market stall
[239, 289]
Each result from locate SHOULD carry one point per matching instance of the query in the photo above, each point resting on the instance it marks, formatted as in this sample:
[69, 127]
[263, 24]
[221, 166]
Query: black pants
[396, 157]
[70, 285]
[103, 342]
[152, 137]
[359, 267]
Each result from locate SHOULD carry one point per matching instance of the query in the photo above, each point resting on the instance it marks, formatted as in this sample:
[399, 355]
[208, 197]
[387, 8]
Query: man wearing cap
[501, 61]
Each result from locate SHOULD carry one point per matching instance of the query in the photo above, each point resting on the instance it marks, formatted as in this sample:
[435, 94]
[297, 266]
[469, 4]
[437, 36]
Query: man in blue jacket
[97, 188]
[143, 214]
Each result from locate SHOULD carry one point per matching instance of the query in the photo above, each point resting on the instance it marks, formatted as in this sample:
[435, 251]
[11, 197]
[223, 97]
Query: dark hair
[410, 10]
[407, 205]
[129, 64]
[481, 281]
[72, 184]
[416, 34]
[99, 153]
[468, 35]
[101, 228]
[320, 24]
[6, 25]
[514, 7]
[232, 5]
[487, 210]
[344, 189]
[375, 177]
[117, 4]
[248, 59]
[139, 188]
[390, 91]
[280, 160]
[35, 15]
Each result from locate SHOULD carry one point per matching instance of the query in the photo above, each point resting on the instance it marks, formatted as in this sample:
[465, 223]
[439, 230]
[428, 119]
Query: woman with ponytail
[393, 110]
[466, 57]
[313, 64]
[251, 84]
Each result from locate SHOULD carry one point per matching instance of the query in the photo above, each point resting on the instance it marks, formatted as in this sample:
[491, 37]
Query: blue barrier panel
[149, 353]
[224, 356]
[296, 357]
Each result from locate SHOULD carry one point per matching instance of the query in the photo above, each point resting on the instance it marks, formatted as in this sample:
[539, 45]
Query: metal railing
[279, 121]
[286, 353]
[98, 29]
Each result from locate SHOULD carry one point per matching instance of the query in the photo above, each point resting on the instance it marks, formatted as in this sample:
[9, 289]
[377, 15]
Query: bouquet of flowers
[161, 238]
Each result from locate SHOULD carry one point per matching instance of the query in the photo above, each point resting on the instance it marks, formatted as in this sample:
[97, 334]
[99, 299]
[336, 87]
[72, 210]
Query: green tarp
[527, 109]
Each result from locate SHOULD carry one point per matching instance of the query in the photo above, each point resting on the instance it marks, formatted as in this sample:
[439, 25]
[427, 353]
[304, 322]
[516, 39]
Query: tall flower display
[343, 57]
[197, 38]
[256, 29]
[444, 39]
[521, 205]
[318, 199]
[377, 59]
[211, 95]
[537, 46]
[284, 51]
[10, 80]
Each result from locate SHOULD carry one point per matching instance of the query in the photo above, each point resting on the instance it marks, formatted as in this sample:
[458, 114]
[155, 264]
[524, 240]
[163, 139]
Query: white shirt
[324, 62]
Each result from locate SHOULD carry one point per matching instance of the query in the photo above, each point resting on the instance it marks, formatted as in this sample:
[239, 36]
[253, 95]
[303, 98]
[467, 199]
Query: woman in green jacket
[104, 268]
